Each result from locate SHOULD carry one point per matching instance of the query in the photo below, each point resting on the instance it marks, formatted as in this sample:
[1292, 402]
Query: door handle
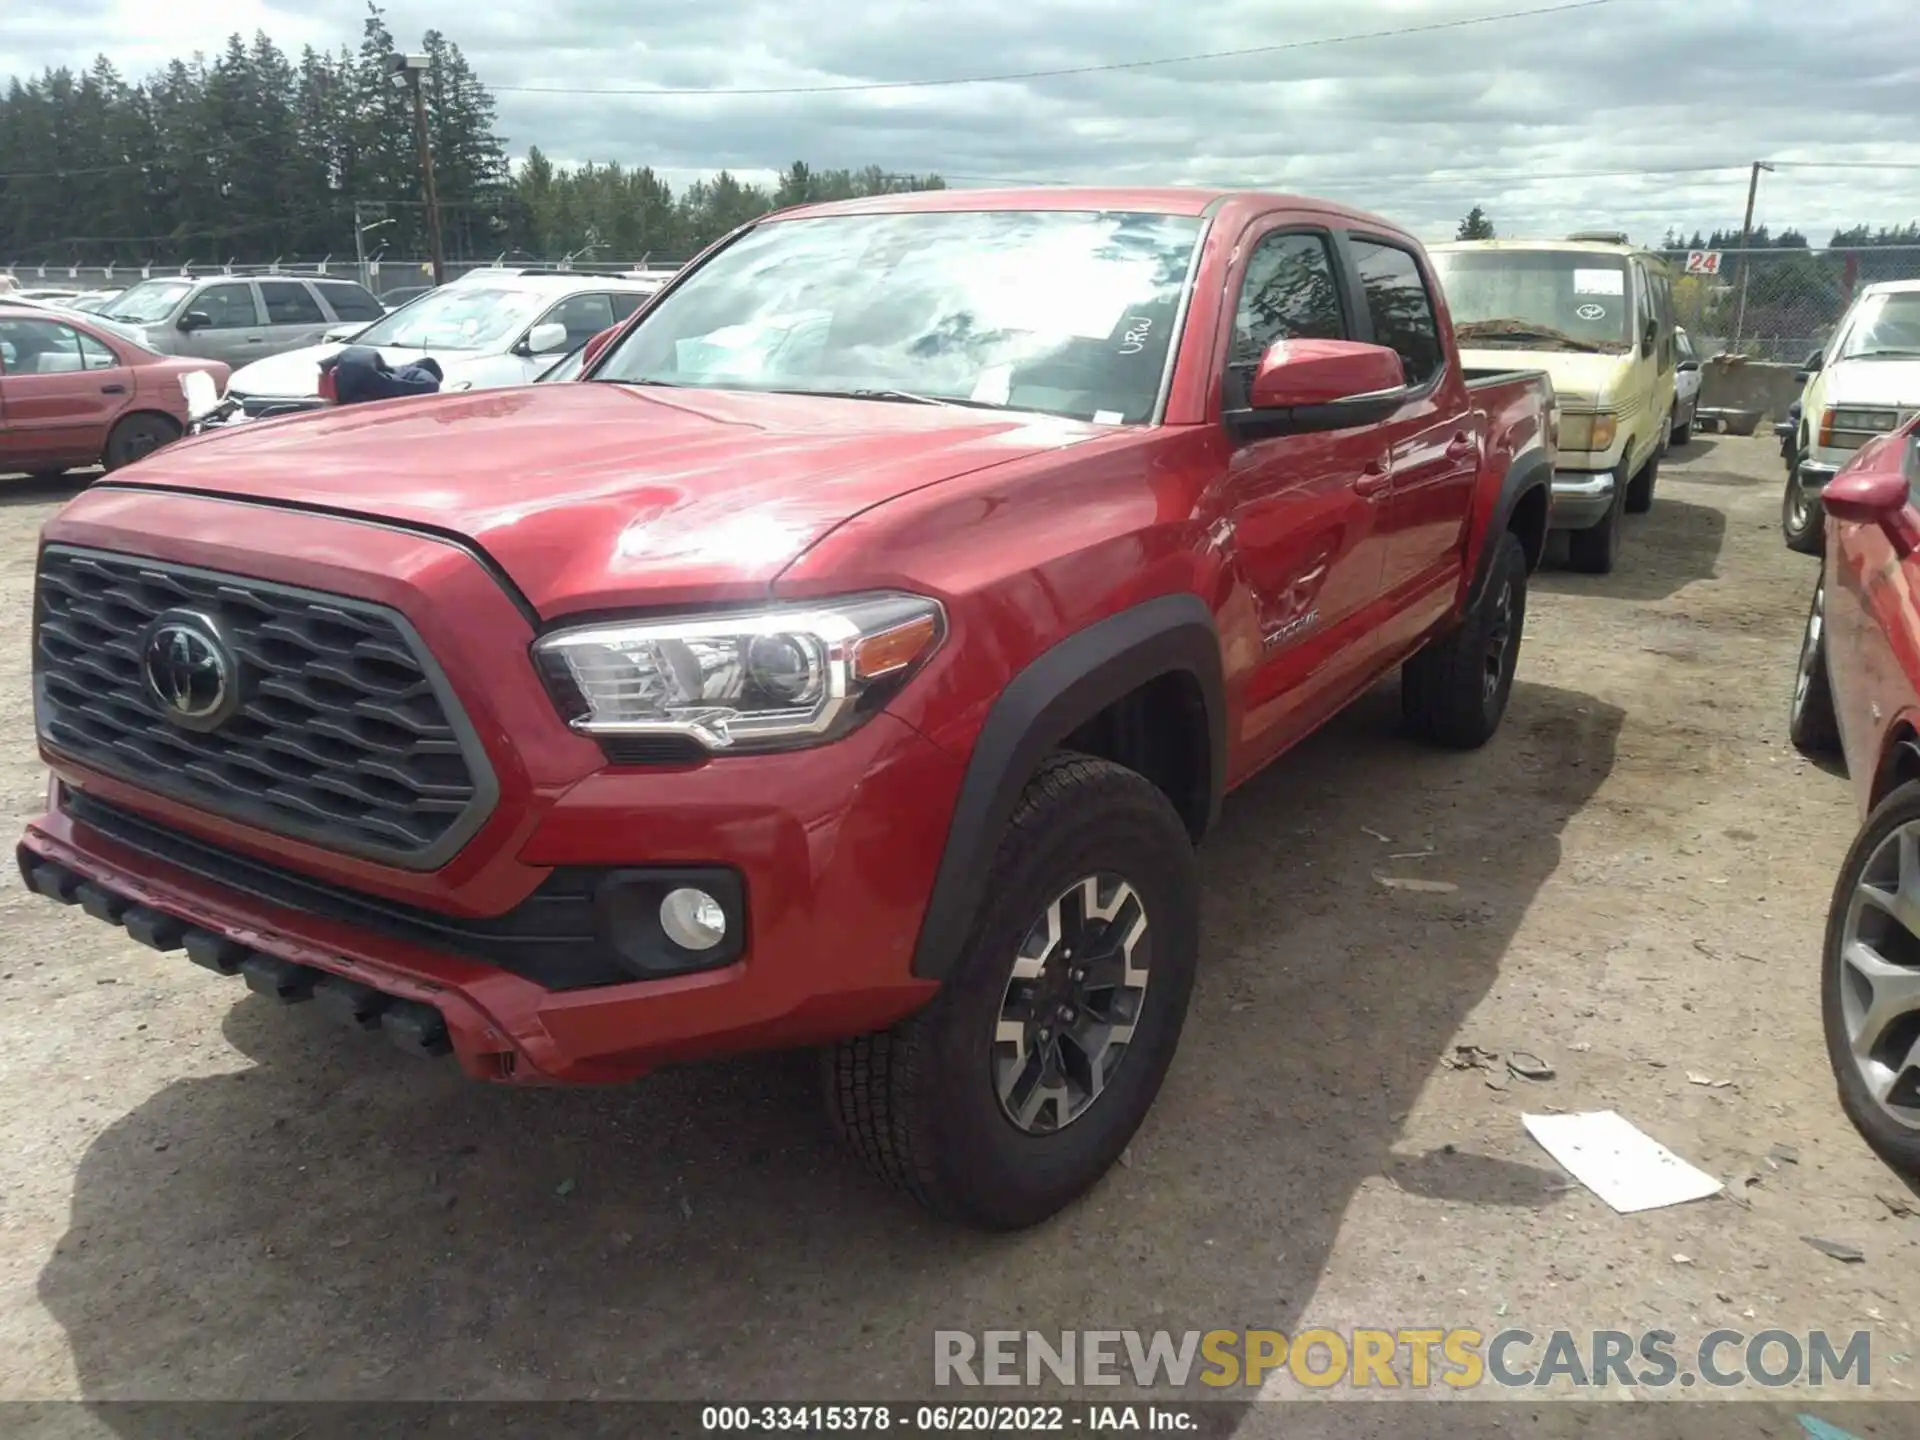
[1461, 447]
[1372, 480]
[256, 339]
[113, 389]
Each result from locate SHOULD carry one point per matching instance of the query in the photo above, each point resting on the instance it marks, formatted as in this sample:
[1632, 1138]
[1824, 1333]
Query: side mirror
[196, 320]
[1303, 385]
[545, 339]
[1814, 362]
[1648, 336]
[1687, 367]
[1875, 497]
[597, 346]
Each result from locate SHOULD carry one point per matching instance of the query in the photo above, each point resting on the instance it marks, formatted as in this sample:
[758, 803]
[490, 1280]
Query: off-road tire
[918, 1103]
[1594, 550]
[1640, 488]
[1803, 519]
[1449, 693]
[1893, 1142]
[138, 435]
[1811, 723]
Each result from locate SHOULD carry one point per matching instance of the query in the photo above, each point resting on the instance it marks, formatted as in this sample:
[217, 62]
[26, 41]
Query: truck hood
[1875, 382]
[1578, 379]
[595, 495]
[295, 374]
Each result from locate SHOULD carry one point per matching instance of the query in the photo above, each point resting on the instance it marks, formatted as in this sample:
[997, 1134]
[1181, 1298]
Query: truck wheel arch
[1522, 506]
[1171, 639]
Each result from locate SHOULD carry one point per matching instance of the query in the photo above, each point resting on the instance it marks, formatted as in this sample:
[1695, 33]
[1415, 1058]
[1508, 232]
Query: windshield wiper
[1890, 353]
[899, 397]
[1520, 330]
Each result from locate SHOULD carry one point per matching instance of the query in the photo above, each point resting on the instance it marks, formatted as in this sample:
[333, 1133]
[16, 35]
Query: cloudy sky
[1552, 121]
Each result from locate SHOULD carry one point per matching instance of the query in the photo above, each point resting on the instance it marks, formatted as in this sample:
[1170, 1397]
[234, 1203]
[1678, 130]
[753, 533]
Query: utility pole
[407, 70]
[1746, 260]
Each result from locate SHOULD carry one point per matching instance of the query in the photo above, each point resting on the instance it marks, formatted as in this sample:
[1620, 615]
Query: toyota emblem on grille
[189, 671]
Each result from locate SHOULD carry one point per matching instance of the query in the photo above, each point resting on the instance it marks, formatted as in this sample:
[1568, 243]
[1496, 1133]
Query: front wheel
[1640, 492]
[1803, 520]
[1455, 690]
[1870, 981]
[1020, 1084]
[1594, 550]
[1681, 431]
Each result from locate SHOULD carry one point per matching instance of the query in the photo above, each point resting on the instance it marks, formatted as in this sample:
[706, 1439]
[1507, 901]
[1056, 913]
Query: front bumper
[1581, 498]
[835, 848]
[1814, 474]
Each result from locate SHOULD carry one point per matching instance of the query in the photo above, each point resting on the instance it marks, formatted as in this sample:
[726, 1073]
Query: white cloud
[1417, 127]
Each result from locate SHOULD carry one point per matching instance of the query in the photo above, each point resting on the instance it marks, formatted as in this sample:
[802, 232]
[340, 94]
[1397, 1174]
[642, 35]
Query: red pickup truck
[853, 658]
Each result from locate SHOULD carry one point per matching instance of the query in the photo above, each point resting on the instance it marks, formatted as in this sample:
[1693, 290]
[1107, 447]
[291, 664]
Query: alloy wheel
[1879, 975]
[1499, 638]
[1798, 510]
[1068, 1014]
[1810, 648]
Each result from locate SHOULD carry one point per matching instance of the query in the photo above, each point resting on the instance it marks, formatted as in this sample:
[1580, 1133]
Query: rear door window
[227, 307]
[289, 302]
[1399, 307]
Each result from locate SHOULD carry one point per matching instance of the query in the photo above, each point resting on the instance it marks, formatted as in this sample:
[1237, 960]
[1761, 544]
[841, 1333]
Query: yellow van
[1597, 315]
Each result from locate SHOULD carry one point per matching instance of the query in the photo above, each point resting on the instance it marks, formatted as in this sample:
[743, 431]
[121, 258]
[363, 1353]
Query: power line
[844, 88]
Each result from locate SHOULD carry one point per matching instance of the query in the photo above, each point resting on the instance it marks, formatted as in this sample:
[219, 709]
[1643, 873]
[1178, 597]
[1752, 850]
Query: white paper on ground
[1620, 1163]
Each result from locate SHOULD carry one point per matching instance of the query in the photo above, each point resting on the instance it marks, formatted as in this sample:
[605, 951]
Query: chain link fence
[1777, 304]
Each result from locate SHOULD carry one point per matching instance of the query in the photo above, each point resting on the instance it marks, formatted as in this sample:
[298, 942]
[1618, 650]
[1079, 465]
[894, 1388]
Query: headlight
[1586, 430]
[1850, 429]
[763, 679]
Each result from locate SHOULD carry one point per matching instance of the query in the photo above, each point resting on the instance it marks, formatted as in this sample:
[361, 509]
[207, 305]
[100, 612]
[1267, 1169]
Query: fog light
[693, 919]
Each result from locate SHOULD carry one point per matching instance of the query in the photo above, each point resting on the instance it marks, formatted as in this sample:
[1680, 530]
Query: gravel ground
[212, 1197]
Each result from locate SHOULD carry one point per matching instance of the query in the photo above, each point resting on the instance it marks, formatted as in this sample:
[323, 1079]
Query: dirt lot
[209, 1196]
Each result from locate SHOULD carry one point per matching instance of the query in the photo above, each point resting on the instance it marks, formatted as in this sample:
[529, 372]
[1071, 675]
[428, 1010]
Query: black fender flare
[1531, 469]
[1056, 693]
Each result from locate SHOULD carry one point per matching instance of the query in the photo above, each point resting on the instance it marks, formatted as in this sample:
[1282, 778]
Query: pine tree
[1475, 226]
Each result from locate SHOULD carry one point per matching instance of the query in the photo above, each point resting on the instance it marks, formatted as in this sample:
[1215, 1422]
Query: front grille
[346, 734]
[549, 938]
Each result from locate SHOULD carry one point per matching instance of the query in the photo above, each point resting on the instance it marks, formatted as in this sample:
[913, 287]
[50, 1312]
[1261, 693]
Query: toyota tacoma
[853, 658]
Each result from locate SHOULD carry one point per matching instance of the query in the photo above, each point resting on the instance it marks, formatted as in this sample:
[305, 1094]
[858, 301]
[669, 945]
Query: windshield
[458, 317]
[147, 302]
[1885, 325]
[1537, 299]
[1058, 312]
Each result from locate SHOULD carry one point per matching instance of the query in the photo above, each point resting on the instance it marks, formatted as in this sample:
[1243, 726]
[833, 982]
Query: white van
[1597, 315]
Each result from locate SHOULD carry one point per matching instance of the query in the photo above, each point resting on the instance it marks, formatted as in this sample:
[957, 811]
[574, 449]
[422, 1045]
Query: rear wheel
[1454, 691]
[1803, 521]
[136, 436]
[1811, 723]
[1024, 1079]
[1870, 981]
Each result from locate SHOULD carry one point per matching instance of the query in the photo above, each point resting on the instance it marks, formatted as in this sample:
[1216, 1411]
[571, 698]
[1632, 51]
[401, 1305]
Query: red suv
[1857, 693]
[852, 658]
